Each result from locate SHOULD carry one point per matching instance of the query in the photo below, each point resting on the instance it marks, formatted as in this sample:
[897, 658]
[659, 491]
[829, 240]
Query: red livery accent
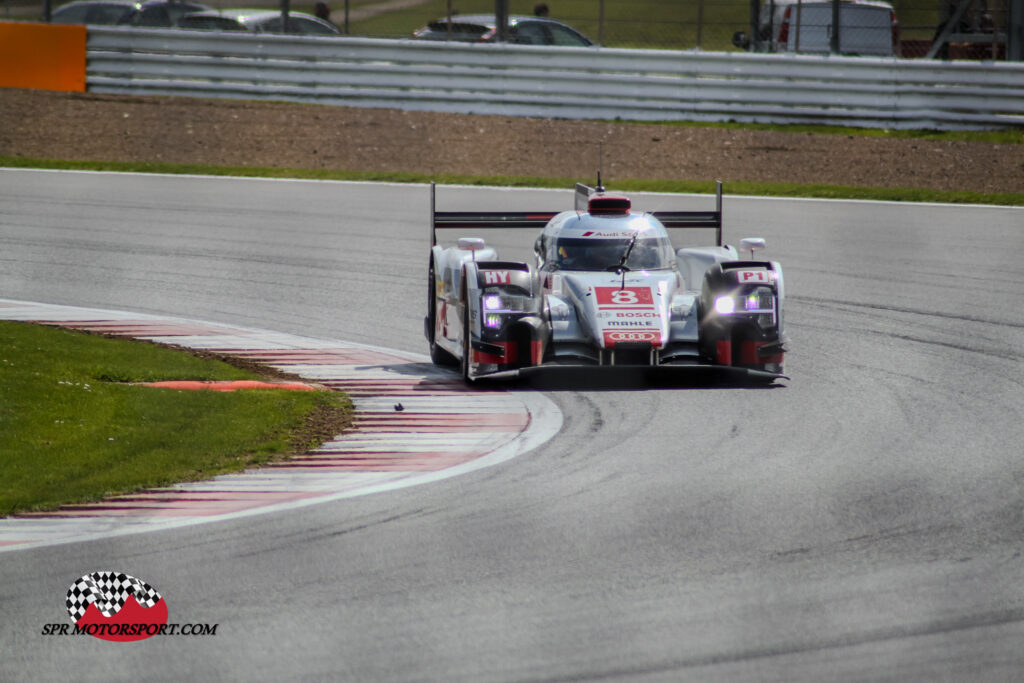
[628, 296]
[723, 352]
[511, 354]
[511, 357]
[749, 355]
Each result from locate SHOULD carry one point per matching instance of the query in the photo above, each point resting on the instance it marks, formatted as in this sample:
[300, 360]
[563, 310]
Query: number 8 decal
[625, 296]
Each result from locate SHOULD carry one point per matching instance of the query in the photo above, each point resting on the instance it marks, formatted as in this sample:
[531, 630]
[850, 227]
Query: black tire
[466, 346]
[438, 355]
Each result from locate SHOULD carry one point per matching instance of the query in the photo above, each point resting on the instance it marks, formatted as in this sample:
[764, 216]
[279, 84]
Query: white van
[866, 27]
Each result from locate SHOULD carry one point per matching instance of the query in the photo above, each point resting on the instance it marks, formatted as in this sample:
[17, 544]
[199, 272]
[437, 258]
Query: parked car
[257, 21]
[866, 27]
[152, 13]
[523, 30]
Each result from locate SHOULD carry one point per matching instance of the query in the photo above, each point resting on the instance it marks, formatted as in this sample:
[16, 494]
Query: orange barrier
[42, 56]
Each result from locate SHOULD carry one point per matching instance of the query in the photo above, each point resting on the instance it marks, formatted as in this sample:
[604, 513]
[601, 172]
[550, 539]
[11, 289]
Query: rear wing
[484, 219]
[539, 219]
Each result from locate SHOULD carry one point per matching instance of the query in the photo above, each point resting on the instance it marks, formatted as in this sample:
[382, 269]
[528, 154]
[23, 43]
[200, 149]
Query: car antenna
[622, 268]
[600, 165]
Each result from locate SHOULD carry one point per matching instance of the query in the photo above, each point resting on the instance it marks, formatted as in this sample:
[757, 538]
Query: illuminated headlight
[504, 303]
[725, 305]
[759, 301]
[492, 320]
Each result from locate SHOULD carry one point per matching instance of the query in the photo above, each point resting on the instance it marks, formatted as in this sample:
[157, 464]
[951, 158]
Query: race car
[607, 288]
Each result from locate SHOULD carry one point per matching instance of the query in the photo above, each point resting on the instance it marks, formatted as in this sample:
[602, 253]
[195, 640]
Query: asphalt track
[863, 522]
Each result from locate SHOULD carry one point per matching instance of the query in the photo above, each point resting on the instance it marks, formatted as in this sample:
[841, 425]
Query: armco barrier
[42, 56]
[558, 81]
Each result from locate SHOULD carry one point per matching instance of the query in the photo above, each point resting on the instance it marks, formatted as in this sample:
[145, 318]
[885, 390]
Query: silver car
[607, 288]
[258, 21]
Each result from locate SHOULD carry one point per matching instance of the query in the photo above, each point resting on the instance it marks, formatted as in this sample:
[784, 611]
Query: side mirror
[471, 243]
[752, 244]
[740, 40]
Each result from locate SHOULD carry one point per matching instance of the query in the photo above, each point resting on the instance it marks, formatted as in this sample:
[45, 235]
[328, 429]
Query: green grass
[653, 185]
[72, 429]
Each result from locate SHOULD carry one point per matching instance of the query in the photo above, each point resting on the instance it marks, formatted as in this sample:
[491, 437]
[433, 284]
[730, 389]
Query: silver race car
[607, 289]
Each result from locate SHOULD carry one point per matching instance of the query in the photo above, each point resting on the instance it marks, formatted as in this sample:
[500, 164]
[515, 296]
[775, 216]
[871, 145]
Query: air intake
[606, 205]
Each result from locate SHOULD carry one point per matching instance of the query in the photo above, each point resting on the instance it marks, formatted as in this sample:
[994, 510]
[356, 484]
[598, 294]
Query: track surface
[863, 522]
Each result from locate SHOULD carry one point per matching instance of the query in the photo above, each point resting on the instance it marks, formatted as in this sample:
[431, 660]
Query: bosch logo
[632, 336]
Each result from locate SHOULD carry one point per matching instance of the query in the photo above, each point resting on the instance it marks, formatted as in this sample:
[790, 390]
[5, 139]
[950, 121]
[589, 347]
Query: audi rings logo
[633, 336]
[113, 606]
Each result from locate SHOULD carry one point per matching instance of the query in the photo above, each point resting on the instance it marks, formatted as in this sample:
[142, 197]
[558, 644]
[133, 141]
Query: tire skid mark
[448, 429]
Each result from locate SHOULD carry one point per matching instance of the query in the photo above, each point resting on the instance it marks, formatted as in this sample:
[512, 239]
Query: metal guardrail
[601, 83]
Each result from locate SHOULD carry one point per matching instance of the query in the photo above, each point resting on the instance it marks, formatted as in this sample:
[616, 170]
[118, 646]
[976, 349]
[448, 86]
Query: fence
[526, 80]
[980, 30]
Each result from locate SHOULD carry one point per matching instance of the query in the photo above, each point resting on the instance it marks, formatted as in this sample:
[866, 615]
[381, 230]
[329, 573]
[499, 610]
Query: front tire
[438, 355]
[467, 347]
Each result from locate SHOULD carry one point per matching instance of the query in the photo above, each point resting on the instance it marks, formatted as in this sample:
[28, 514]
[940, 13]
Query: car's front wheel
[467, 346]
[438, 355]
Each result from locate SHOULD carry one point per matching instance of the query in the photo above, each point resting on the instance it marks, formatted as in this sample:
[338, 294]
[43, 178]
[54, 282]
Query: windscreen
[648, 253]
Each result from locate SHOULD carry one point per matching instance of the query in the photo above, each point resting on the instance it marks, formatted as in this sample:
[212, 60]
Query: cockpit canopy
[590, 243]
[574, 253]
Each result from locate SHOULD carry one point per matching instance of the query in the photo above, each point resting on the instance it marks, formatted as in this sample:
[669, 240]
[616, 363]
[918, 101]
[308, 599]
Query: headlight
[759, 302]
[500, 302]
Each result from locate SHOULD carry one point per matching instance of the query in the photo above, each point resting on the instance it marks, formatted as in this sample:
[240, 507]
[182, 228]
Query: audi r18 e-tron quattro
[607, 288]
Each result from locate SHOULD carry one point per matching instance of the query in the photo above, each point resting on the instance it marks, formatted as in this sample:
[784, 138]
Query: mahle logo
[114, 606]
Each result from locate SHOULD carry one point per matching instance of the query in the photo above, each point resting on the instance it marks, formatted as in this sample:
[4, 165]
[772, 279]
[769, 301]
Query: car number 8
[625, 296]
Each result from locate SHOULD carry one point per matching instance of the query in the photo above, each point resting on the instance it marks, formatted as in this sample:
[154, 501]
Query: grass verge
[72, 428]
[681, 186]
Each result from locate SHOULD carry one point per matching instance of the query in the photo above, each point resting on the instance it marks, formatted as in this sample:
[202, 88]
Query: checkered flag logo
[108, 591]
